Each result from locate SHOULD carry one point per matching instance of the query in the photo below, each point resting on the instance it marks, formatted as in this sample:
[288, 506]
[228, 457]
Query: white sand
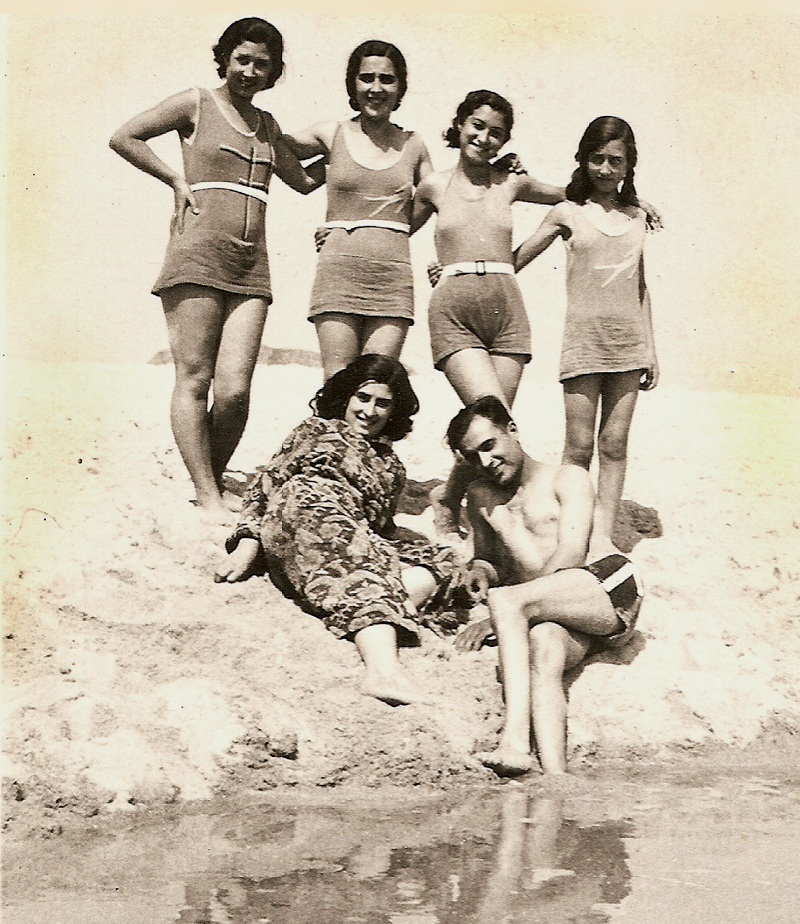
[130, 676]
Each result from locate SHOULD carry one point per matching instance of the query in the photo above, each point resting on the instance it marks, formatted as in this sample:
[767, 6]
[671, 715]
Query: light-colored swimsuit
[604, 330]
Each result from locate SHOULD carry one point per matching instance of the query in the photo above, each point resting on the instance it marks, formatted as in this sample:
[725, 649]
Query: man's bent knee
[548, 648]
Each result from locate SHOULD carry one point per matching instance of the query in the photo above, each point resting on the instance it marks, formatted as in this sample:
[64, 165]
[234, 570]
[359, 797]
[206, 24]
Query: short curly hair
[332, 399]
[250, 29]
[375, 48]
[472, 101]
[488, 406]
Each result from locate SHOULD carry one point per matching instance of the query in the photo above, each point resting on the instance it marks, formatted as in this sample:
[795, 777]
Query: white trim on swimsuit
[233, 187]
[368, 223]
[478, 268]
[620, 576]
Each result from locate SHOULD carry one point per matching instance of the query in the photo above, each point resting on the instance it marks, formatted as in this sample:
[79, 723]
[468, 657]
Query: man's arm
[575, 495]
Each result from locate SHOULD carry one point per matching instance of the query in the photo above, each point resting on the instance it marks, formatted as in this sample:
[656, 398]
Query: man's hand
[474, 635]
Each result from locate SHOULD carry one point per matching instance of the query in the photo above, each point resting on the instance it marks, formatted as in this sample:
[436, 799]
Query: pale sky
[712, 99]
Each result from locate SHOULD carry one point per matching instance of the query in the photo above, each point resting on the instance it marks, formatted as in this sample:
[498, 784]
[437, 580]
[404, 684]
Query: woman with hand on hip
[362, 300]
[215, 281]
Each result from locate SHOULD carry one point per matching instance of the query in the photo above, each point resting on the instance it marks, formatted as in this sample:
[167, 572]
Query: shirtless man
[531, 525]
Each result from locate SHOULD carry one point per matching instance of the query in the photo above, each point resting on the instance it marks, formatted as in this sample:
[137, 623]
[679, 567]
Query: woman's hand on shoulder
[652, 216]
[239, 563]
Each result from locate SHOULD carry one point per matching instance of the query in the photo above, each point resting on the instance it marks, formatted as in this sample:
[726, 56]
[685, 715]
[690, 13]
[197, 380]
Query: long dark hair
[331, 400]
[472, 101]
[600, 132]
[375, 48]
[251, 29]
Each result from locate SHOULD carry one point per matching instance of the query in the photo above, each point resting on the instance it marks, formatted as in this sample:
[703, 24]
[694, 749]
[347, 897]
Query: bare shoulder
[434, 185]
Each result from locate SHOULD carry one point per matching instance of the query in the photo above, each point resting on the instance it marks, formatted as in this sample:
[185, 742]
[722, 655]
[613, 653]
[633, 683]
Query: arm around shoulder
[554, 224]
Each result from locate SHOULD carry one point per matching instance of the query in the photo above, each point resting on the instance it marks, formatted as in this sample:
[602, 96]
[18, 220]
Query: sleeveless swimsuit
[474, 311]
[604, 330]
[224, 246]
[366, 270]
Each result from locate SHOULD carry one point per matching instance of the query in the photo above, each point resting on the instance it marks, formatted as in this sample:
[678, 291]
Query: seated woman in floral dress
[321, 513]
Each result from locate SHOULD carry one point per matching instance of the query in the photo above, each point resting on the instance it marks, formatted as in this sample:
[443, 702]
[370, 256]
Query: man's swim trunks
[620, 580]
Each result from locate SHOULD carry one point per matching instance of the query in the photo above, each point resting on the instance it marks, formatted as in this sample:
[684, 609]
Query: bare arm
[551, 227]
[130, 141]
[301, 179]
[575, 496]
[533, 190]
[424, 202]
[312, 141]
[650, 377]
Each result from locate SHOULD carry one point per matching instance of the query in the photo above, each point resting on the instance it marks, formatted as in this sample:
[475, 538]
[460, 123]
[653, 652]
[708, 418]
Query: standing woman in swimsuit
[480, 336]
[215, 282]
[362, 300]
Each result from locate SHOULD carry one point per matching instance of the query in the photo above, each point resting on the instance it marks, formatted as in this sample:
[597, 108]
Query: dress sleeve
[284, 464]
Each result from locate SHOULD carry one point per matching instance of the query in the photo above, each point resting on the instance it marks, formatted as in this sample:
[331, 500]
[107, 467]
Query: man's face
[493, 451]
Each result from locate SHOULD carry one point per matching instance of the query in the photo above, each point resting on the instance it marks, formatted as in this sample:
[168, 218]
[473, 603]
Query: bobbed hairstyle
[375, 48]
[250, 29]
[598, 133]
[472, 101]
[489, 406]
[331, 400]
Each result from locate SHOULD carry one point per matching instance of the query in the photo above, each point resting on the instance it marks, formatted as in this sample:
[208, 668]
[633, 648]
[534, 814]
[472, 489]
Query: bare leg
[384, 335]
[339, 340]
[581, 398]
[620, 390]
[194, 316]
[529, 661]
[554, 650]
[377, 646]
[473, 373]
[233, 375]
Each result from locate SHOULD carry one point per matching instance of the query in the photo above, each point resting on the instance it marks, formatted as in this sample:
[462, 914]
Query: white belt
[233, 187]
[368, 223]
[478, 268]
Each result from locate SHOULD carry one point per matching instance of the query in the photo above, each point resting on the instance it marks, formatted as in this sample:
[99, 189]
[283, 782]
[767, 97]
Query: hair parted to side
[375, 48]
[250, 29]
[488, 406]
[598, 133]
[331, 400]
[472, 101]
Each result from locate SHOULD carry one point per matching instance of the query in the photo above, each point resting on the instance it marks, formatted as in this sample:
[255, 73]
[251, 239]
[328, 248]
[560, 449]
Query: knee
[193, 379]
[613, 446]
[547, 651]
[231, 393]
[579, 447]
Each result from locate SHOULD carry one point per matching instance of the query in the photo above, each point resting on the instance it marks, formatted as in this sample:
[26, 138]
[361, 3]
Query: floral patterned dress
[322, 511]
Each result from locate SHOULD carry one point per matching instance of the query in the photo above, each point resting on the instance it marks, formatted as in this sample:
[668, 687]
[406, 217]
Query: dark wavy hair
[488, 406]
[251, 29]
[375, 48]
[472, 101]
[599, 132]
[331, 400]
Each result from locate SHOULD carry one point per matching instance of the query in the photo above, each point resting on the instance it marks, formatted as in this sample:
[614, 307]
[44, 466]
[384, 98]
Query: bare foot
[393, 689]
[232, 502]
[215, 513]
[506, 761]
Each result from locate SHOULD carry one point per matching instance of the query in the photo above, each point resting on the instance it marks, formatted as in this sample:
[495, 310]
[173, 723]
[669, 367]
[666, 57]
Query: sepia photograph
[401, 506]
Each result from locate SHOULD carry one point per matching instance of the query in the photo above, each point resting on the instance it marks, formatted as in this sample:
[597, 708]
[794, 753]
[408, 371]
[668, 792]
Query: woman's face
[482, 134]
[369, 409]
[607, 167]
[377, 87]
[249, 69]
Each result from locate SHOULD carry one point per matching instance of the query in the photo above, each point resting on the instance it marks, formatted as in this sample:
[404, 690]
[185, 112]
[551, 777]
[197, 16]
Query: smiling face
[377, 87]
[482, 134]
[607, 167]
[369, 409]
[493, 451]
[249, 68]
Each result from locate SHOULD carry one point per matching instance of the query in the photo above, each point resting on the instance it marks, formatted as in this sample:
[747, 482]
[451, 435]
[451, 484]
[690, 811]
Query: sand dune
[130, 677]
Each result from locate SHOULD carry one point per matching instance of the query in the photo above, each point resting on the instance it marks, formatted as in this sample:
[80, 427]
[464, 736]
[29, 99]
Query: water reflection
[516, 860]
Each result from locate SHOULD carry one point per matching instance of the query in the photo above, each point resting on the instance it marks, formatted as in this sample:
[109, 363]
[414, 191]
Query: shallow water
[584, 852]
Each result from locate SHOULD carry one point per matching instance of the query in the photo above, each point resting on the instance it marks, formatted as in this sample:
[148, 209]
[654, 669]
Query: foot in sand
[393, 689]
[507, 761]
